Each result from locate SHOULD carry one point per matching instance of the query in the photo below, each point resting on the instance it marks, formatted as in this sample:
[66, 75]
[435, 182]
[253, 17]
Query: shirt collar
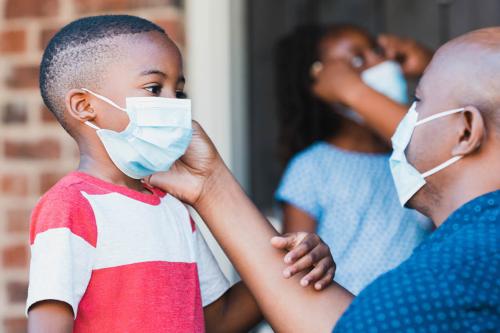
[486, 206]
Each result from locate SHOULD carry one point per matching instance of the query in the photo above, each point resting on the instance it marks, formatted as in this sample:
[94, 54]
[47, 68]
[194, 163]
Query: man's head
[113, 55]
[464, 73]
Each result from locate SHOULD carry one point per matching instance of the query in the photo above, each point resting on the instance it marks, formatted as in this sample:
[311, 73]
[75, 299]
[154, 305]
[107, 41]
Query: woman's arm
[295, 220]
[50, 317]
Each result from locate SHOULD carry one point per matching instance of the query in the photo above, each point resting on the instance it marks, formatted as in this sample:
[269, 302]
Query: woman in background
[341, 94]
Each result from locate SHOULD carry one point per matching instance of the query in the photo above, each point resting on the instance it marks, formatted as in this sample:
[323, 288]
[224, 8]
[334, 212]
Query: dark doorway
[428, 21]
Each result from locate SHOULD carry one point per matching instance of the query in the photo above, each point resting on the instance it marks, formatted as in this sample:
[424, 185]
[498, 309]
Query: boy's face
[150, 67]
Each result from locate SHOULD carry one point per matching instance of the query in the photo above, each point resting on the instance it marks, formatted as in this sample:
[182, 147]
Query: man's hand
[412, 56]
[190, 176]
[336, 81]
[307, 252]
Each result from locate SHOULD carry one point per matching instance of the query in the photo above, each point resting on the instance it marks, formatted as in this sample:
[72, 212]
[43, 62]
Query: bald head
[466, 71]
[463, 74]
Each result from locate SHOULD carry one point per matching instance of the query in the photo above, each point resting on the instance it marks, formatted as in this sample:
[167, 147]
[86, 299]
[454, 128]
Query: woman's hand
[336, 81]
[307, 252]
[192, 175]
[412, 56]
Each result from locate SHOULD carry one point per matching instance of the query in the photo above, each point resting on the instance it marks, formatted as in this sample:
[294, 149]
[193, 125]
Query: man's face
[152, 66]
[432, 142]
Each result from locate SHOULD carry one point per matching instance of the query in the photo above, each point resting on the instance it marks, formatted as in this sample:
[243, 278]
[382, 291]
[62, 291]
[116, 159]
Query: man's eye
[415, 99]
[180, 94]
[155, 90]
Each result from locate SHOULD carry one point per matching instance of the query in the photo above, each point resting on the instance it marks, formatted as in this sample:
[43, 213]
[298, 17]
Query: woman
[340, 99]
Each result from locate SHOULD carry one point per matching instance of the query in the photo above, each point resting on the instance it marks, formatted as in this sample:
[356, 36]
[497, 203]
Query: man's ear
[78, 105]
[471, 132]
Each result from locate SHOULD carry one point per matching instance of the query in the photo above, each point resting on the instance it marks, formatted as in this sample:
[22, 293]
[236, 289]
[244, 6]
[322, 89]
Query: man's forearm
[245, 236]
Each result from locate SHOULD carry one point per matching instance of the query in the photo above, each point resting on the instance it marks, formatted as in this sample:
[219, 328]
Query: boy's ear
[78, 105]
[471, 132]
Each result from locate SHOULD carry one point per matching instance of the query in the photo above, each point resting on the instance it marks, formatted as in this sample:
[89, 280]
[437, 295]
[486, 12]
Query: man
[445, 164]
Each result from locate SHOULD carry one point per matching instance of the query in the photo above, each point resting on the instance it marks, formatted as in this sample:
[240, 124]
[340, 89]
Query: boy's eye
[155, 90]
[180, 94]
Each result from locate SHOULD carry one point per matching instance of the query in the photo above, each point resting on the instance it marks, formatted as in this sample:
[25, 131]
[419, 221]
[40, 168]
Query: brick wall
[34, 151]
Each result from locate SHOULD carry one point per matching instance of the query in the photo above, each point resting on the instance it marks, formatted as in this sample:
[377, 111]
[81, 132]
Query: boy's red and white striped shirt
[125, 261]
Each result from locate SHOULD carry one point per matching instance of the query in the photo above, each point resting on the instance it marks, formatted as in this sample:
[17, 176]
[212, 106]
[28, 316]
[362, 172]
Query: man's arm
[50, 317]
[237, 310]
[201, 179]
[245, 235]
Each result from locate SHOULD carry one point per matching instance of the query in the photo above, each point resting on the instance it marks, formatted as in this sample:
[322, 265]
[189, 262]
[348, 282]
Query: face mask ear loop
[438, 115]
[89, 124]
[105, 99]
[442, 166]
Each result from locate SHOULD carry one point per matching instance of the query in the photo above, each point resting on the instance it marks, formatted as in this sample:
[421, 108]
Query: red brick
[43, 149]
[15, 256]
[45, 37]
[13, 41]
[87, 6]
[14, 184]
[17, 291]
[31, 8]
[23, 77]
[16, 325]
[48, 179]
[14, 113]
[18, 221]
[174, 29]
[47, 116]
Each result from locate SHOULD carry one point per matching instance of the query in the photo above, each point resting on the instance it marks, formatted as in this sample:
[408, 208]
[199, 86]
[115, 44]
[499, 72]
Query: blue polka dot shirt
[354, 202]
[451, 283]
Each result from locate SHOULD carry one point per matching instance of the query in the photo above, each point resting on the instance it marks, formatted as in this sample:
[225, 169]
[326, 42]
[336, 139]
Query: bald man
[446, 164]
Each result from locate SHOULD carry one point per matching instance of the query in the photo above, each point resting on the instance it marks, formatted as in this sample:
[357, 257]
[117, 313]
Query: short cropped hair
[76, 56]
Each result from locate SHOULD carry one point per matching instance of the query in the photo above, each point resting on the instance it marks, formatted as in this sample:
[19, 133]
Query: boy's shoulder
[64, 206]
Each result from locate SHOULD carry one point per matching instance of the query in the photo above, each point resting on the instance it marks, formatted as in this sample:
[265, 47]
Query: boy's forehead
[150, 51]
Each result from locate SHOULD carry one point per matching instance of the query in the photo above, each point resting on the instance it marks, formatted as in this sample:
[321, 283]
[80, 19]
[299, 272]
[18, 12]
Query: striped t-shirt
[125, 261]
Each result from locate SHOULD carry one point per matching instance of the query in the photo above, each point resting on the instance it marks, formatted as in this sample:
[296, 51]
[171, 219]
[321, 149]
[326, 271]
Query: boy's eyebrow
[153, 71]
[182, 79]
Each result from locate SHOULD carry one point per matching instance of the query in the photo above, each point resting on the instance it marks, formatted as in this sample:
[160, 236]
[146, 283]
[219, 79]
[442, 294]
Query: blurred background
[227, 47]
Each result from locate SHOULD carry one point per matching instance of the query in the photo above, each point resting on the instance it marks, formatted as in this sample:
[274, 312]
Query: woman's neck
[358, 138]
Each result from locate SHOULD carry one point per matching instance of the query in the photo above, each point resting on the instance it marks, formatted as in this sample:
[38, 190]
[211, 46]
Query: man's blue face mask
[407, 179]
[158, 134]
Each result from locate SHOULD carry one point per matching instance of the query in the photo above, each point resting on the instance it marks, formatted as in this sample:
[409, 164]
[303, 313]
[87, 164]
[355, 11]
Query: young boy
[109, 253]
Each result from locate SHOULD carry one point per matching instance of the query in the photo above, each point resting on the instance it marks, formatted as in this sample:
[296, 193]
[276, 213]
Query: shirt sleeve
[63, 238]
[213, 283]
[298, 187]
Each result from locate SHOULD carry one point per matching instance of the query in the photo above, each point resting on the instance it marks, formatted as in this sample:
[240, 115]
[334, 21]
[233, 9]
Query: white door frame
[216, 82]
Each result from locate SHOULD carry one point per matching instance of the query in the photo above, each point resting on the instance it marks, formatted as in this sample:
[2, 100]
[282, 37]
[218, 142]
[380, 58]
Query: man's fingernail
[288, 259]
[287, 273]
[318, 286]
[304, 283]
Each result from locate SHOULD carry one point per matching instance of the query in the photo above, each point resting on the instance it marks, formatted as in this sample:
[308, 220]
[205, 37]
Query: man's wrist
[214, 185]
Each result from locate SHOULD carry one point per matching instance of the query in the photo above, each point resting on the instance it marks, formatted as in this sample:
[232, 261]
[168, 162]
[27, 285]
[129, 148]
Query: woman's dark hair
[303, 117]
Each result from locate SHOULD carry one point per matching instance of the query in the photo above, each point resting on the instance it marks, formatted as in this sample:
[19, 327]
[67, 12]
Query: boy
[110, 253]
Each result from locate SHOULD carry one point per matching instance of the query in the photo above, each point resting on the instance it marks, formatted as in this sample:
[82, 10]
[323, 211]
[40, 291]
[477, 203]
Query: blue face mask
[158, 134]
[407, 179]
[386, 78]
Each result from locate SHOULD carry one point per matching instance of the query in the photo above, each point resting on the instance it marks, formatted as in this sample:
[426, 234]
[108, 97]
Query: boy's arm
[201, 179]
[50, 317]
[235, 311]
